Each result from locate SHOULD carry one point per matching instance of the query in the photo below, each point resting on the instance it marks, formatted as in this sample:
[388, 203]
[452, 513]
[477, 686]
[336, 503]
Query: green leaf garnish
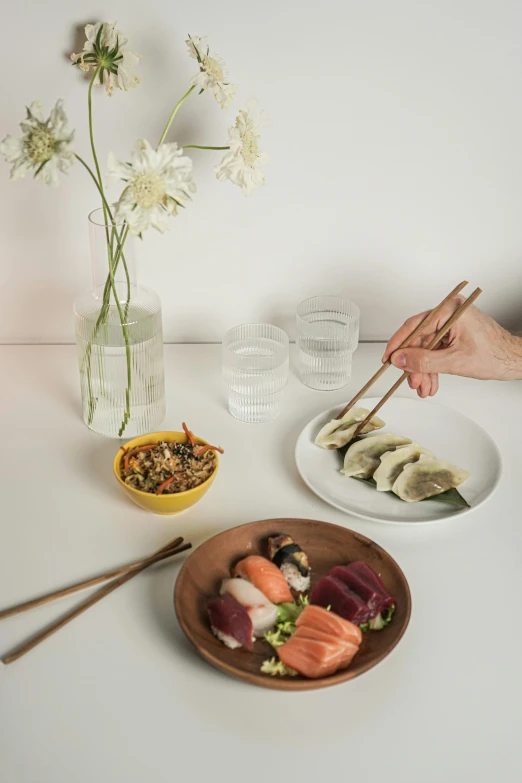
[452, 496]
[382, 619]
[274, 667]
[289, 612]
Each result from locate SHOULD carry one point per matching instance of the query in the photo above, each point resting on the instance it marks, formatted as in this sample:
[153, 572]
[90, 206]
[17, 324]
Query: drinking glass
[327, 336]
[255, 370]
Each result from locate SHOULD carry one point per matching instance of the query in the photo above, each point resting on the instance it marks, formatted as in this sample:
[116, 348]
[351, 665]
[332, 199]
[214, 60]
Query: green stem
[91, 132]
[126, 415]
[175, 110]
[100, 189]
[110, 257]
[120, 241]
[201, 147]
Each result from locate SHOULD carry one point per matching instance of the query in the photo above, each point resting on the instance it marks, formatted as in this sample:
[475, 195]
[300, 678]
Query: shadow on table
[95, 464]
[161, 607]
[289, 436]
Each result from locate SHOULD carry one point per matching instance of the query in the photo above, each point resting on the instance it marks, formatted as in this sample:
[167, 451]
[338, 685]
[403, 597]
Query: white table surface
[119, 694]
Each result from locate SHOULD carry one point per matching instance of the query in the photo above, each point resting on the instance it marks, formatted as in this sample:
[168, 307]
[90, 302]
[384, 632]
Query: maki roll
[291, 560]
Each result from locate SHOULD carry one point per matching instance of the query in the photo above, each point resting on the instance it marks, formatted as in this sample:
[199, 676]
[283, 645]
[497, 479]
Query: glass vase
[120, 339]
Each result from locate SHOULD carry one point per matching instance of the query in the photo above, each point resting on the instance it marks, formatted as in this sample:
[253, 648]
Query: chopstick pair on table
[434, 343]
[115, 579]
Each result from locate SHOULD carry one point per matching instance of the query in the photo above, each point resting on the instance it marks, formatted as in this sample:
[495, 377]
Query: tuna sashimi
[319, 619]
[330, 591]
[230, 622]
[368, 574]
[375, 599]
[261, 611]
[266, 577]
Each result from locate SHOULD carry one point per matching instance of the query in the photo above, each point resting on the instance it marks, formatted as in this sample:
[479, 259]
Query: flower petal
[11, 148]
[117, 169]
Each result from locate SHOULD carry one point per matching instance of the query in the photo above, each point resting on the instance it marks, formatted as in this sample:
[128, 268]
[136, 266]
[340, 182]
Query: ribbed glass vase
[120, 339]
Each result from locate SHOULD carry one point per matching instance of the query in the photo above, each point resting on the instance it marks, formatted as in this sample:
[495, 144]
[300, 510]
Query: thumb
[424, 361]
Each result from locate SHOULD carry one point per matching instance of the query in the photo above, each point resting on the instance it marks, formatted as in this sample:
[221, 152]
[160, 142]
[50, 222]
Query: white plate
[449, 434]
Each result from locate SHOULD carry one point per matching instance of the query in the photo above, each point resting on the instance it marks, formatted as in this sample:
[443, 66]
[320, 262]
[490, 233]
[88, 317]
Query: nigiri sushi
[230, 622]
[266, 577]
[291, 560]
[330, 591]
[261, 611]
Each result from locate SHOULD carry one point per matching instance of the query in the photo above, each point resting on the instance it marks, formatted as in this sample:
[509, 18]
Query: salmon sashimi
[322, 644]
[348, 648]
[320, 619]
[266, 577]
[312, 658]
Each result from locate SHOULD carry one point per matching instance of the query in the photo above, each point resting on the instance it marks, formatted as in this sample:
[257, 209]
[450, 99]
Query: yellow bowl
[162, 504]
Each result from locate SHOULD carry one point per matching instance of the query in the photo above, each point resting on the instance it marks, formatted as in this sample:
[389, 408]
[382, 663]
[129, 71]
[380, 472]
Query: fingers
[411, 324]
[425, 386]
[415, 380]
[401, 334]
[434, 384]
[420, 360]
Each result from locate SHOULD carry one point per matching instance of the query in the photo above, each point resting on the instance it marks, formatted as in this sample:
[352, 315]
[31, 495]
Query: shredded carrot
[164, 485]
[129, 454]
[189, 434]
[202, 449]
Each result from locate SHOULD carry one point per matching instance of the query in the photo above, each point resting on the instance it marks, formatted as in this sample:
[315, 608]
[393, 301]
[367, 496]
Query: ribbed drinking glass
[255, 370]
[327, 336]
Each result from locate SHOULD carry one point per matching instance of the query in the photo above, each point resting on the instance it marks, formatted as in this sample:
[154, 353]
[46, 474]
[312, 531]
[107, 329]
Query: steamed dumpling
[392, 463]
[339, 432]
[363, 457]
[426, 478]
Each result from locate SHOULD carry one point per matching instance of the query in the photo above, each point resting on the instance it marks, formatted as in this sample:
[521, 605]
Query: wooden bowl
[326, 545]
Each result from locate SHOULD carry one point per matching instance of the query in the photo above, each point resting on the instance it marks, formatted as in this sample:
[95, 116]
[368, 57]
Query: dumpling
[426, 478]
[363, 457]
[339, 432]
[392, 463]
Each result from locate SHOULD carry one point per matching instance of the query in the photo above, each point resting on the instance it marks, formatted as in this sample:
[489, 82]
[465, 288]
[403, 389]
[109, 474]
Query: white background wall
[395, 146]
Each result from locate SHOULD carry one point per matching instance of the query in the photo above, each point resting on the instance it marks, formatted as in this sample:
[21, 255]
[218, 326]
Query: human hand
[476, 346]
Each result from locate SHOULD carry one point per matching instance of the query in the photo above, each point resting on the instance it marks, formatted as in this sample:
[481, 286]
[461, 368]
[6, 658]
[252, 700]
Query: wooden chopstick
[429, 318]
[96, 580]
[432, 344]
[102, 593]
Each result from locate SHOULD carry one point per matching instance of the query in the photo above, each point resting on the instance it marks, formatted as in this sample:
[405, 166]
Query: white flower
[45, 146]
[105, 49]
[158, 183]
[211, 74]
[242, 163]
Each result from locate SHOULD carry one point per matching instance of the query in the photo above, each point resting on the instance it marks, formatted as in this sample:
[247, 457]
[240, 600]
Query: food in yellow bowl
[166, 472]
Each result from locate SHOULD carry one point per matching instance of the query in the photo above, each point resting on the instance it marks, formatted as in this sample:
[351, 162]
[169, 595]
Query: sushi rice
[227, 640]
[295, 578]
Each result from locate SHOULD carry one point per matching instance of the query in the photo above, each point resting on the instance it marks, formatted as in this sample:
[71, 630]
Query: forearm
[513, 358]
